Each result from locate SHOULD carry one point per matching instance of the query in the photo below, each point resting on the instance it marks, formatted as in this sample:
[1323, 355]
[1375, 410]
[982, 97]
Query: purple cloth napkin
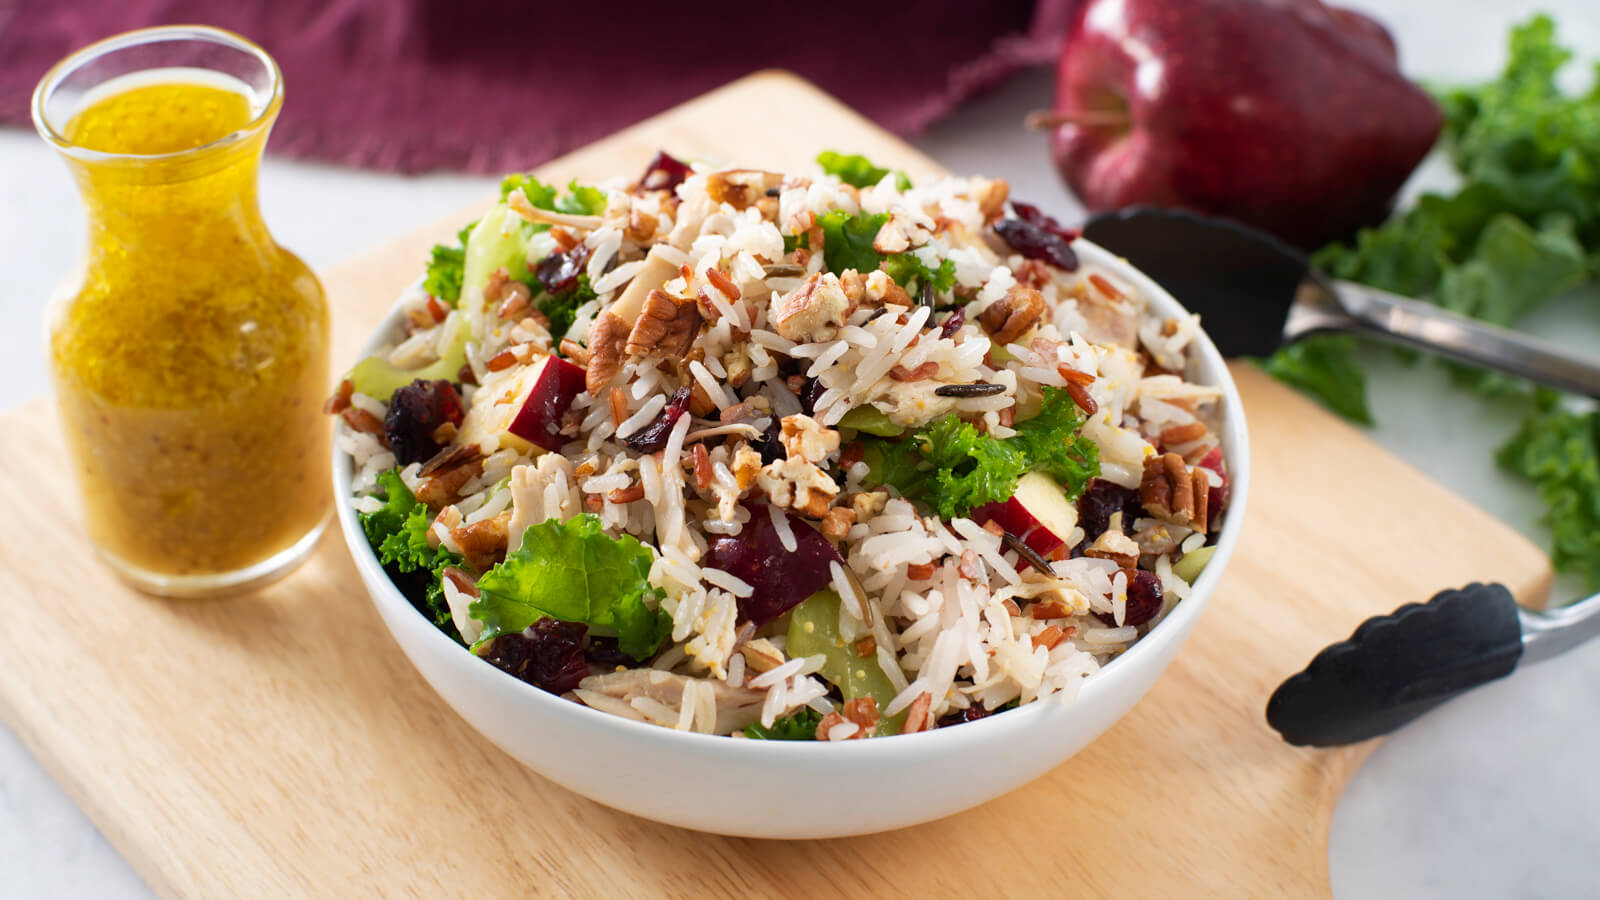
[495, 85]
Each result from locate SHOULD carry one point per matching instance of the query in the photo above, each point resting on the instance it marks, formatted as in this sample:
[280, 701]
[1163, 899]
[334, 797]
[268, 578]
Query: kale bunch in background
[1523, 228]
[1559, 451]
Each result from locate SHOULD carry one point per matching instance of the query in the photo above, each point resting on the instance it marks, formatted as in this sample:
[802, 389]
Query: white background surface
[1495, 795]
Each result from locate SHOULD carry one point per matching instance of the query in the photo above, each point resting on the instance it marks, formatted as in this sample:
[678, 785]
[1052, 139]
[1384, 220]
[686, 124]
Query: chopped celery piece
[1192, 564]
[814, 629]
[872, 420]
[376, 377]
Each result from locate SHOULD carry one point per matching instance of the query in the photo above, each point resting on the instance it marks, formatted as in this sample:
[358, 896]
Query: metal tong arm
[1545, 634]
[1322, 305]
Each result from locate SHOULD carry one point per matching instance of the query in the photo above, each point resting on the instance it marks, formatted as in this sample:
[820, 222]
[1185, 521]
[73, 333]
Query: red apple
[547, 395]
[1038, 512]
[1289, 115]
[524, 411]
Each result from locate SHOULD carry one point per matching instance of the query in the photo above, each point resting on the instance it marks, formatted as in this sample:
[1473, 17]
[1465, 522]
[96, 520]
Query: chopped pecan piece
[1167, 489]
[442, 488]
[666, 323]
[797, 485]
[1183, 434]
[1115, 545]
[834, 720]
[899, 235]
[806, 438]
[578, 353]
[741, 188]
[885, 291]
[641, 226]
[917, 714]
[760, 655]
[863, 711]
[1013, 315]
[746, 466]
[361, 420]
[814, 311]
[836, 524]
[868, 504]
[483, 543]
[1032, 273]
[607, 342]
[700, 402]
[854, 285]
[991, 197]
[340, 400]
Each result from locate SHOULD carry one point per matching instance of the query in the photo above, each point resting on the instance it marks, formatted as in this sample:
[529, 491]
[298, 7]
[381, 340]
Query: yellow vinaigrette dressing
[191, 359]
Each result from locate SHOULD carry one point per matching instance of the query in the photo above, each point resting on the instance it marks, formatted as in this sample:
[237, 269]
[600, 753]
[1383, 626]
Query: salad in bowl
[809, 456]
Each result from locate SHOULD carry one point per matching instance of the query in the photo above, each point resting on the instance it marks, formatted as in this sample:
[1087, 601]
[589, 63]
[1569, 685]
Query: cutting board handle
[1396, 667]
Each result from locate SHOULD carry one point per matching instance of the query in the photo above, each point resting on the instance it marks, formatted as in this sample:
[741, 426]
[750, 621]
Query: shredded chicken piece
[736, 707]
[530, 492]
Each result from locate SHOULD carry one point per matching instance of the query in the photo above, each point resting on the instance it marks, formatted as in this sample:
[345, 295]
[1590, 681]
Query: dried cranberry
[963, 716]
[1144, 599]
[770, 444]
[781, 578]
[1102, 499]
[1217, 498]
[809, 394]
[1033, 215]
[652, 438]
[1036, 243]
[953, 323]
[559, 272]
[548, 655]
[664, 173]
[604, 653]
[415, 412]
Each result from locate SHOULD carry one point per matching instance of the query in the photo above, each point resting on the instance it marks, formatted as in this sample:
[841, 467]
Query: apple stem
[1045, 119]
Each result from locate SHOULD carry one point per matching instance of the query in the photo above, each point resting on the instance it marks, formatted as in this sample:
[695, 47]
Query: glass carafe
[189, 354]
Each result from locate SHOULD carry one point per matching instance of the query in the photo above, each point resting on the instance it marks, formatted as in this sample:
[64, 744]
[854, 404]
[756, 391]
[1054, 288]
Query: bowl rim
[1175, 627]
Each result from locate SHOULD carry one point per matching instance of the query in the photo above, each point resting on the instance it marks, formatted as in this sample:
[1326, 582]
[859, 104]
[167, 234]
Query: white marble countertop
[1493, 795]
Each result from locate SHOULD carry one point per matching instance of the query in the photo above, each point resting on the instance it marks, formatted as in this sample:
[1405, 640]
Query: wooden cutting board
[278, 744]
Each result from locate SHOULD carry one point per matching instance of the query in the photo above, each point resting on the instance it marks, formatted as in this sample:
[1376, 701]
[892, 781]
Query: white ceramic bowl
[747, 788]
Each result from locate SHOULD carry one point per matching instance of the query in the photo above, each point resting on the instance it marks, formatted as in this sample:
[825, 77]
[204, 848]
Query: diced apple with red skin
[526, 414]
[1038, 512]
[538, 419]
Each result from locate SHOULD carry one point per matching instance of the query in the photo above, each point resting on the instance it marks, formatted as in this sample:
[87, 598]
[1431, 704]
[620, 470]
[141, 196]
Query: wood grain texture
[277, 744]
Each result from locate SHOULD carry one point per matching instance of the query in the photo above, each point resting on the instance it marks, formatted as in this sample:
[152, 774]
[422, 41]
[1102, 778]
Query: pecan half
[607, 340]
[1013, 315]
[836, 524]
[1167, 489]
[483, 543]
[666, 324]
